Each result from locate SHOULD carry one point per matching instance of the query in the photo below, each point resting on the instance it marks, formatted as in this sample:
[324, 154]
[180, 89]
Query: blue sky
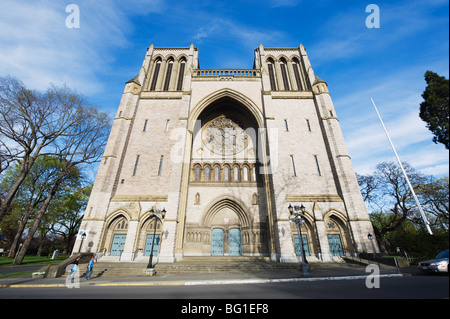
[358, 63]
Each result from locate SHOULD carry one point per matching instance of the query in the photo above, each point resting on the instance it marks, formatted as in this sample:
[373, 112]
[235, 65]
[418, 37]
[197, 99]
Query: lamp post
[297, 216]
[370, 237]
[158, 215]
[83, 236]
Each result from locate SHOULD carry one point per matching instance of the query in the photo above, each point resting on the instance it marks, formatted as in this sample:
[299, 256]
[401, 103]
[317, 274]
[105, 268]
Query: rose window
[223, 136]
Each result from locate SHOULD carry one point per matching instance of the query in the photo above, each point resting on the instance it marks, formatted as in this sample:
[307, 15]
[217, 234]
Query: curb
[203, 282]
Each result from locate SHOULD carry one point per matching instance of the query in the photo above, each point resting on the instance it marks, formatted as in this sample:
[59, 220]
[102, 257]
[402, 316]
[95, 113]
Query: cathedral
[212, 162]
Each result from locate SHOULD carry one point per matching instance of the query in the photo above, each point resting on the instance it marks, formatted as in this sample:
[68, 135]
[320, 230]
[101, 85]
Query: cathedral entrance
[117, 245]
[151, 244]
[217, 242]
[335, 245]
[298, 251]
[234, 242]
[218, 247]
[226, 213]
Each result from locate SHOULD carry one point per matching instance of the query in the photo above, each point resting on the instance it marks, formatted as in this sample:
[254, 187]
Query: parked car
[438, 264]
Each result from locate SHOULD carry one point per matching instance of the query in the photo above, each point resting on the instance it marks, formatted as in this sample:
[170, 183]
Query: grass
[17, 274]
[31, 260]
[28, 260]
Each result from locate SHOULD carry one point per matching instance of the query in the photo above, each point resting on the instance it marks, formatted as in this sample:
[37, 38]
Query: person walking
[74, 268]
[90, 268]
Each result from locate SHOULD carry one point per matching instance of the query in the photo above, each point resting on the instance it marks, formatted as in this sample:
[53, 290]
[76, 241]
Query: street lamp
[370, 237]
[83, 237]
[299, 219]
[158, 215]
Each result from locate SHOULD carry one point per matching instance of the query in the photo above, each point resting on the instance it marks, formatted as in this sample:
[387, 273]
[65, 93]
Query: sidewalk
[317, 272]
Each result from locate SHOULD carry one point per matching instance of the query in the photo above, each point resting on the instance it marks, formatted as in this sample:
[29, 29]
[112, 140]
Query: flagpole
[427, 224]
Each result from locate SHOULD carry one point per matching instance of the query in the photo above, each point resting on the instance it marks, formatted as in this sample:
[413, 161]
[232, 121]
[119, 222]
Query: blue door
[149, 243]
[217, 239]
[234, 242]
[335, 245]
[117, 244]
[298, 252]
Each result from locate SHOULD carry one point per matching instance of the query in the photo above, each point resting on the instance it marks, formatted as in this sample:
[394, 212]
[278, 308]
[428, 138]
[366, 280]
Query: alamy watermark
[73, 19]
[373, 19]
[73, 280]
[373, 279]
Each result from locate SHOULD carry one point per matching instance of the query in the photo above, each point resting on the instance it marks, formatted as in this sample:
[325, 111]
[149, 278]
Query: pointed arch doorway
[227, 221]
[218, 242]
[226, 233]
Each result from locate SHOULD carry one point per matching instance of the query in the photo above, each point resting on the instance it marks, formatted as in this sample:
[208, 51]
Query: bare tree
[388, 192]
[30, 125]
[83, 146]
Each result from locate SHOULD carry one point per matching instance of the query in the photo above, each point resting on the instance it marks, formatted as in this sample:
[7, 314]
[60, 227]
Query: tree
[388, 194]
[435, 108]
[83, 146]
[65, 214]
[31, 194]
[435, 197]
[31, 123]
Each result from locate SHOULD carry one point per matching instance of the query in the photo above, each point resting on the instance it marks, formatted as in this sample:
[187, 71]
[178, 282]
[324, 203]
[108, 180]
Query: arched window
[121, 224]
[246, 177]
[284, 74]
[236, 174]
[181, 74]
[295, 67]
[155, 74]
[226, 173]
[168, 74]
[207, 173]
[197, 173]
[270, 65]
[216, 173]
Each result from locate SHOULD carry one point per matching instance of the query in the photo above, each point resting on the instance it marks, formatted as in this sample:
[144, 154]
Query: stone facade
[225, 152]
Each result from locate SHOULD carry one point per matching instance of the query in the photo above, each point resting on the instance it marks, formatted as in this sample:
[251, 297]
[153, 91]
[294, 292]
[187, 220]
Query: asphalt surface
[317, 272]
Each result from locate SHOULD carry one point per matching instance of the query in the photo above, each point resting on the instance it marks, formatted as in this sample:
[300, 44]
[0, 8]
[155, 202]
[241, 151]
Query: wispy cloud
[345, 35]
[37, 47]
[398, 106]
[204, 32]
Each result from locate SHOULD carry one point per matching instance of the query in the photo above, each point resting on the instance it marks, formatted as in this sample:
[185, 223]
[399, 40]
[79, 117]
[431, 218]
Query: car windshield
[443, 254]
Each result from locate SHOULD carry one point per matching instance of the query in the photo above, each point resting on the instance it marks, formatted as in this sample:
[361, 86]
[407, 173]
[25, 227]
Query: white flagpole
[427, 224]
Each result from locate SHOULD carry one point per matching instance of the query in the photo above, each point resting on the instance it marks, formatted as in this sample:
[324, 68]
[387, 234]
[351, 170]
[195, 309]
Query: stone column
[127, 254]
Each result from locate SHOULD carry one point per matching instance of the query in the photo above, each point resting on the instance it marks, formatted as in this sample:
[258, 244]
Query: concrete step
[191, 265]
[223, 259]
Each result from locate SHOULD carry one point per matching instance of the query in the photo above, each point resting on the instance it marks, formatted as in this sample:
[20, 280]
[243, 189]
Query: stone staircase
[188, 265]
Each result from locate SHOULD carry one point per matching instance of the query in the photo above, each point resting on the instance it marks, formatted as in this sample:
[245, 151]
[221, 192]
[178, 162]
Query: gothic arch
[118, 212]
[226, 202]
[115, 223]
[336, 223]
[182, 57]
[309, 229]
[335, 215]
[220, 94]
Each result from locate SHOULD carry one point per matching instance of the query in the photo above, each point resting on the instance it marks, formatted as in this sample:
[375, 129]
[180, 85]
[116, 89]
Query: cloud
[397, 103]
[346, 37]
[37, 47]
[204, 32]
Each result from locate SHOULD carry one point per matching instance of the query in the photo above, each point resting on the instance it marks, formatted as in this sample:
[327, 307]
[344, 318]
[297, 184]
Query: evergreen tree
[435, 109]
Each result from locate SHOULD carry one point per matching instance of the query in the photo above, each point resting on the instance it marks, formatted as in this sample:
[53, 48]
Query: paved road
[409, 287]
[20, 268]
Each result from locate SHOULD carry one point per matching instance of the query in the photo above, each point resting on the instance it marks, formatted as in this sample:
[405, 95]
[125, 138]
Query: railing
[227, 72]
